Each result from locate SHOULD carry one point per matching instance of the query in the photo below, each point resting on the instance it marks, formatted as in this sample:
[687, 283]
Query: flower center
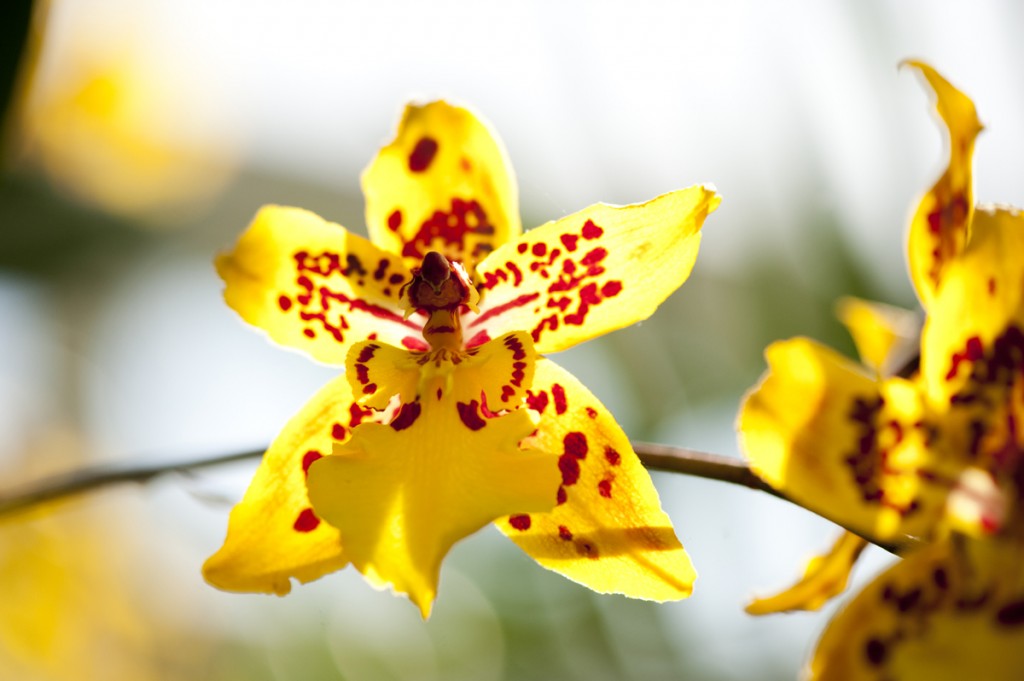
[441, 289]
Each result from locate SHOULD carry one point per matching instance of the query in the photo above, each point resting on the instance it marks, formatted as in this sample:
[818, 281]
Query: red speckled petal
[273, 535]
[844, 444]
[949, 611]
[314, 286]
[402, 494]
[940, 226]
[608, 531]
[443, 184]
[493, 376]
[974, 337]
[593, 272]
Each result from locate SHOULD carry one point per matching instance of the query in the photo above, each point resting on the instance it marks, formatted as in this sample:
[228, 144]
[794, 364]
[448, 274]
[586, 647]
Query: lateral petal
[608, 531]
[825, 577]
[842, 443]
[941, 613]
[592, 272]
[443, 184]
[940, 226]
[314, 286]
[273, 534]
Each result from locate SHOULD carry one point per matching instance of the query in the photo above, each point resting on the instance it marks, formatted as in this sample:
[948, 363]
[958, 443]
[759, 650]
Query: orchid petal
[443, 184]
[608, 531]
[940, 226]
[595, 271]
[314, 286]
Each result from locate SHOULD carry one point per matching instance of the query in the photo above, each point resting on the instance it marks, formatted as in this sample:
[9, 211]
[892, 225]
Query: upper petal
[842, 443]
[939, 228]
[941, 613]
[608, 531]
[975, 325]
[402, 494]
[273, 533]
[314, 286]
[592, 272]
[443, 184]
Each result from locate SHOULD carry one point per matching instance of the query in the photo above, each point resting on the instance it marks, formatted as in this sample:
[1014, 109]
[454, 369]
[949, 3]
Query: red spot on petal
[308, 458]
[538, 402]
[357, 414]
[612, 456]
[395, 220]
[605, 488]
[470, 415]
[338, 432]
[520, 522]
[569, 241]
[575, 444]
[539, 249]
[611, 289]
[522, 247]
[407, 415]
[307, 521]
[517, 275]
[415, 344]
[564, 533]
[569, 466]
[591, 231]
[423, 154]
[591, 412]
[594, 257]
[558, 393]
[370, 389]
[562, 496]
[991, 286]
[478, 339]
[285, 303]
[309, 333]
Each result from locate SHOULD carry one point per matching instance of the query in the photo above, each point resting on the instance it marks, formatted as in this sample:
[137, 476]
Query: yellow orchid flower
[938, 456]
[447, 417]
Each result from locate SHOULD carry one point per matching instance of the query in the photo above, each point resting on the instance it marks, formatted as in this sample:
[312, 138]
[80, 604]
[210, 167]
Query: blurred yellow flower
[938, 456]
[447, 417]
[69, 608]
[112, 125]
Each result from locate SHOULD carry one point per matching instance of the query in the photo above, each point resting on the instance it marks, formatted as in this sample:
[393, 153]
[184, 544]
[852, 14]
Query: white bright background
[785, 106]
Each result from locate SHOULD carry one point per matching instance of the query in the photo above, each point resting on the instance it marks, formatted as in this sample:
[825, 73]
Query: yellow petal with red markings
[608, 531]
[402, 494]
[886, 337]
[493, 376]
[950, 610]
[273, 534]
[314, 286]
[843, 444]
[443, 184]
[973, 339]
[593, 272]
[825, 577]
[940, 226]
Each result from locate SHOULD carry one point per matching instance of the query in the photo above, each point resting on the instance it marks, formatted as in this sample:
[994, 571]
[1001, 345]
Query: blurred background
[139, 140]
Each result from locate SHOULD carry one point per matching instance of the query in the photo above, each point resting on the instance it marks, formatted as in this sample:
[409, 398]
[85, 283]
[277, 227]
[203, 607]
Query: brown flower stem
[735, 471]
[89, 478]
[654, 456]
